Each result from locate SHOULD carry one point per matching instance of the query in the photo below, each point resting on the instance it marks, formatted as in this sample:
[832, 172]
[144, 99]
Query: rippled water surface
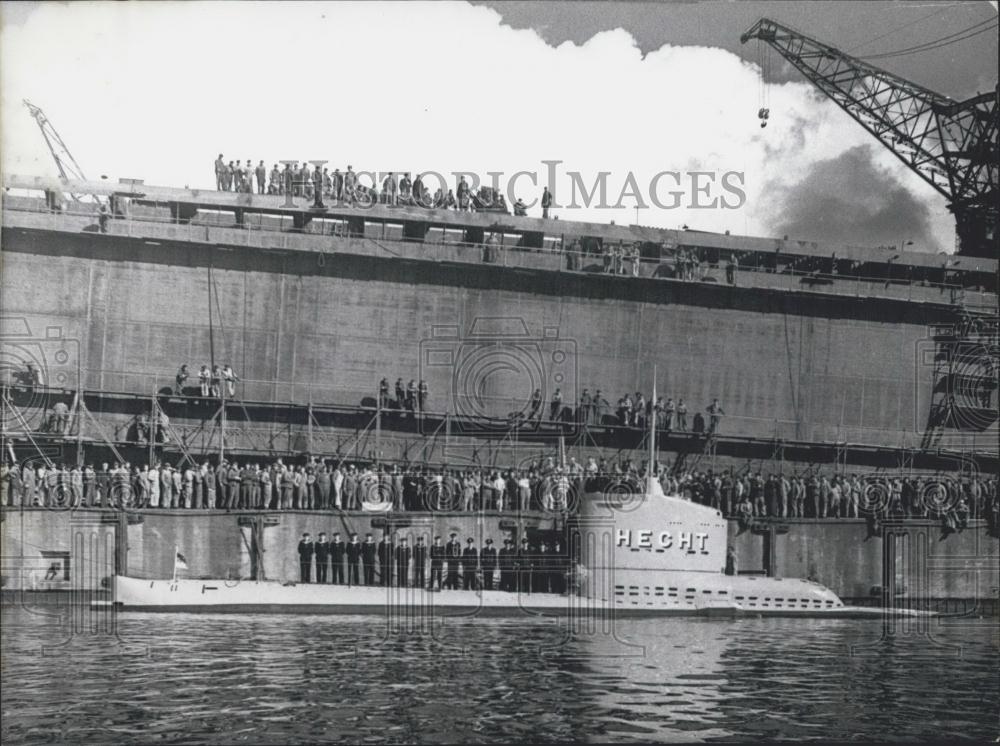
[265, 679]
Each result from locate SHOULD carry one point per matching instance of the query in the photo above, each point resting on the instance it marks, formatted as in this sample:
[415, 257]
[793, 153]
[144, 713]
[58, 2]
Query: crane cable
[898, 28]
[944, 41]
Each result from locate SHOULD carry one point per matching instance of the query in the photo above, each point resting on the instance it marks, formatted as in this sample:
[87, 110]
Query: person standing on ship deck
[385, 553]
[546, 203]
[555, 407]
[422, 393]
[453, 553]
[261, 174]
[403, 555]
[368, 558]
[246, 481]
[287, 487]
[323, 487]
[353, 551]
[180, 379]
[231, 378]
[351, 489]
[682, 413]
[535, 407]
[317, 180]
[506, 561]
[420, 563]
[470, 563]
[715, 413]
[204, 377]
[338, 550]
[437, 564]
[488, 561]
[321, 549]
[350, 185]
[220, 170]
[306, 550]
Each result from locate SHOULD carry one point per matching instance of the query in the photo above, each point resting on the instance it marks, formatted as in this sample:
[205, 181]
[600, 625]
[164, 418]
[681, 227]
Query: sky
[156, 90]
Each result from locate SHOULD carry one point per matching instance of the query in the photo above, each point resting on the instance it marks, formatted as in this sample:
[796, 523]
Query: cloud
[849, 199]
[156, 90]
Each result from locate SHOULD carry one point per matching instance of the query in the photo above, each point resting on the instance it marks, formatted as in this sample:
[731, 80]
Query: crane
[65, 162]
[952, 145]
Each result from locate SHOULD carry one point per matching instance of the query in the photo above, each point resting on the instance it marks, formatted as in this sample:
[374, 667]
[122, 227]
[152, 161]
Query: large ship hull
[216, 596]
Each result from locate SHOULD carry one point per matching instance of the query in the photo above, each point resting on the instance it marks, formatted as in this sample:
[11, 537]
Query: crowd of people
[210, 382]
[531, 568]
[318, 182]
[594, 409]
[320, 484]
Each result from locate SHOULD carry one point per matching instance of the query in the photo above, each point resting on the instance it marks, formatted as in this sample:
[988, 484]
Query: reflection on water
[265, 679]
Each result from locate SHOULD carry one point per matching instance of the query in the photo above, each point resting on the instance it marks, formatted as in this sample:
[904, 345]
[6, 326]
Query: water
[273, 679]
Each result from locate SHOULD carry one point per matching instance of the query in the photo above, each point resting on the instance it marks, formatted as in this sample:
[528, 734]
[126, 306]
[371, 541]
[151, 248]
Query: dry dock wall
[839, 554]
[300, 326]
[927, 562]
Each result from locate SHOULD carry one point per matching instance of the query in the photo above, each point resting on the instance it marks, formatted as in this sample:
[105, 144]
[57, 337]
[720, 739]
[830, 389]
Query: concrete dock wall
[842, 555]
[215, 544]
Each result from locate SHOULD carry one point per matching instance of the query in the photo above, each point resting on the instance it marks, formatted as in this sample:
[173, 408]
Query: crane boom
[65, 162]
[952, 145]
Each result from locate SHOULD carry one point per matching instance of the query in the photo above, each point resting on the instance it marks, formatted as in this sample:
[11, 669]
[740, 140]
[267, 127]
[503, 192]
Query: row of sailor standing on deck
[529, 569]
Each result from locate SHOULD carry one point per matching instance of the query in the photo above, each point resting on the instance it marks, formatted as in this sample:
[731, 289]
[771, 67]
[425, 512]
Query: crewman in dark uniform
[403, 555]
[322, 551]
[400, 394]
[506, 558]
[368, 558]
[488, 560]
[420, 563]
[383, 393]
[453, 553]
[470, 561]
[524, 562]
[306, 550]
[437, 563]
[353, 558]
[385, 552]
[337, 551]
